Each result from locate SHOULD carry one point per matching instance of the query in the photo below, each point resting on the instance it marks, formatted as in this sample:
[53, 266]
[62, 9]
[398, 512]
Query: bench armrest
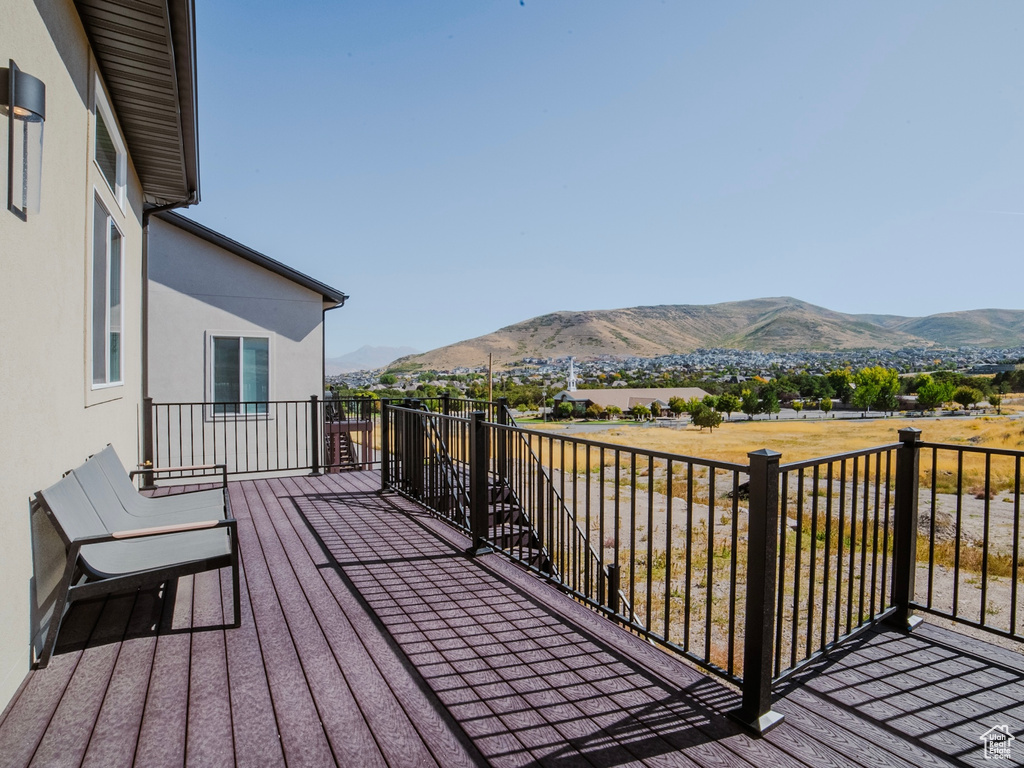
[158, 530]
[191, 469]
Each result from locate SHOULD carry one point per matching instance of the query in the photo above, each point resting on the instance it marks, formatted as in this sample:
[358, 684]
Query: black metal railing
[751, 571]
[969, 543]
[314, 435]
[645, 537]
[247, 437]
[425, 458]
[835, 539]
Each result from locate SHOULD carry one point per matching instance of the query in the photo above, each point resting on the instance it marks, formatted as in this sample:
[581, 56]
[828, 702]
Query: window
[108, 149]
[240, 380]
[107, 310]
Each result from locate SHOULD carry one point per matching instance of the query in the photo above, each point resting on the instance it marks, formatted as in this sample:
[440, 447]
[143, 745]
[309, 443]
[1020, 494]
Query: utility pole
[490, 377]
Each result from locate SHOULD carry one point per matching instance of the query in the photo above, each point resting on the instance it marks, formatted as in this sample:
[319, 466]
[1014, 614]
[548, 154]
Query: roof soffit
[146, 51]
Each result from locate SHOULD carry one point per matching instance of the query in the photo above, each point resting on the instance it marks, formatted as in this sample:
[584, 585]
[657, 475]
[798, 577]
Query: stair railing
[606, 591]
[419, 462]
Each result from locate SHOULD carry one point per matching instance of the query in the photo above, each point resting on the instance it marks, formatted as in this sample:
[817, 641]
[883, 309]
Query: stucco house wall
[203, 285]
[197, 288]
[52, 417]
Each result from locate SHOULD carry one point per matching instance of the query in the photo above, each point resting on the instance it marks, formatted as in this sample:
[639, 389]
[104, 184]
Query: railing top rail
[235, 402]
[973, 449]
[432, 414]
[710, 463]
[821, 460]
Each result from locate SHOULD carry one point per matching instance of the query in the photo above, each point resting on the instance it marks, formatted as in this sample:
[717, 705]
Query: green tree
[996, 401]
[825, 404]
[612, 411]
[728, 404]
[640, 412]
[967, 396]
[931, 394]
[706, 417]
[594, 411]
[563, 410]
[840, 381]
[770, 402]
[387, 379]
[749, 403]
[677, 405]
[876, 387]
[711, 401]
[797, 406]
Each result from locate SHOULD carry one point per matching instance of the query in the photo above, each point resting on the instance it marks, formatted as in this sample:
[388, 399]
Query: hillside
[772, 324]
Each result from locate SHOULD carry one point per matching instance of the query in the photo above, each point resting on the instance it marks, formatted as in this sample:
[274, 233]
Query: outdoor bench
[118, 540]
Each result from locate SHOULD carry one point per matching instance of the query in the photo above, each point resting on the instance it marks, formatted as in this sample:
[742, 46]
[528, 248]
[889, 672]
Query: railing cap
[910, 435]
[765, 453]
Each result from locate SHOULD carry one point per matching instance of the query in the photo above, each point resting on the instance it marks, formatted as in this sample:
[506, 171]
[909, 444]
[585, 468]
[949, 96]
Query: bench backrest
[103, 497]
[71, 510]
[108, 463]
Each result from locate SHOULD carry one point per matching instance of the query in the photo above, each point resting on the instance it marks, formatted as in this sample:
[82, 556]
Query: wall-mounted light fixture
[24, 97]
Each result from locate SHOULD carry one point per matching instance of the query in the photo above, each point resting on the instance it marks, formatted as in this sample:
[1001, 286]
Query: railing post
[904, 543]
[314, 435]
[478, 460]
[612, 589]
[762, 571]
[385, 447]
[502, 447]
[417, 453]
[147, 442]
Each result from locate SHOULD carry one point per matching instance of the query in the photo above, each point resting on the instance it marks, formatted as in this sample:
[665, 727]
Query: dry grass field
[802, 439]
[856, 549]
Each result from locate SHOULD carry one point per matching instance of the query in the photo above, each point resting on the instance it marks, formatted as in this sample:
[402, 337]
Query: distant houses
[624, 398]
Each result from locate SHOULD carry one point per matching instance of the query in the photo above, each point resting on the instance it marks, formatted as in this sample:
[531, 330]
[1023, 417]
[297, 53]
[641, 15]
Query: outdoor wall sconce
[24, 97]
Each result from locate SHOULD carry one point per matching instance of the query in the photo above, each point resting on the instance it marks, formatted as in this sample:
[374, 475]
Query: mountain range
[772, 324]
[365, 358]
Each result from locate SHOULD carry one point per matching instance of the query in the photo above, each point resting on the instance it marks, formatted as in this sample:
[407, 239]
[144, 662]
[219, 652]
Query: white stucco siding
[197, 288]
[51, 417]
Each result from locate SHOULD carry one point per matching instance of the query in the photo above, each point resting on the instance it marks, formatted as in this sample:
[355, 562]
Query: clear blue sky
[460, 166]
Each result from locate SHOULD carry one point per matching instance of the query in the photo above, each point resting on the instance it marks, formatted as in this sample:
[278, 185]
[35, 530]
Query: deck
[368, 639]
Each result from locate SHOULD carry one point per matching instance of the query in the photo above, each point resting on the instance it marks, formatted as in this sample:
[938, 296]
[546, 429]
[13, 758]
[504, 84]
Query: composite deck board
[381, 722]
[303, 740]
[69, 732]
[446, 741]
[256, 735]
[210, 739]
[164, 730]
[116, 732]
[28, 718]
[367, 637]
[639, 738]
[815, 716]
[347, 732]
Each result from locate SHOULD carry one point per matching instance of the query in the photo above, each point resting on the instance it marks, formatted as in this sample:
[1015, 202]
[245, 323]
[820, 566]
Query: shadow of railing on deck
[516, 677]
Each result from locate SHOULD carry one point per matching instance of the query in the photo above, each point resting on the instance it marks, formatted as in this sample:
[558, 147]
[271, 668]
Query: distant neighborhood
[724, 382]
[719, 365]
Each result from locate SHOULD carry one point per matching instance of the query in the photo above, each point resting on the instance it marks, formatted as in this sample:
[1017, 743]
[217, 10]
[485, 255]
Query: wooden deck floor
[368, 639]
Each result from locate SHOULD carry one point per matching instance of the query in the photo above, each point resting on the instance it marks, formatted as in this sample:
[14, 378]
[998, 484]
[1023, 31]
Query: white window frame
[211, 413]
[102, 109]
[110, 223]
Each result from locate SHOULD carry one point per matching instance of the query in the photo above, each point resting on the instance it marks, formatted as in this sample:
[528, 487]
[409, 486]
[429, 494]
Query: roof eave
[330, 295]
